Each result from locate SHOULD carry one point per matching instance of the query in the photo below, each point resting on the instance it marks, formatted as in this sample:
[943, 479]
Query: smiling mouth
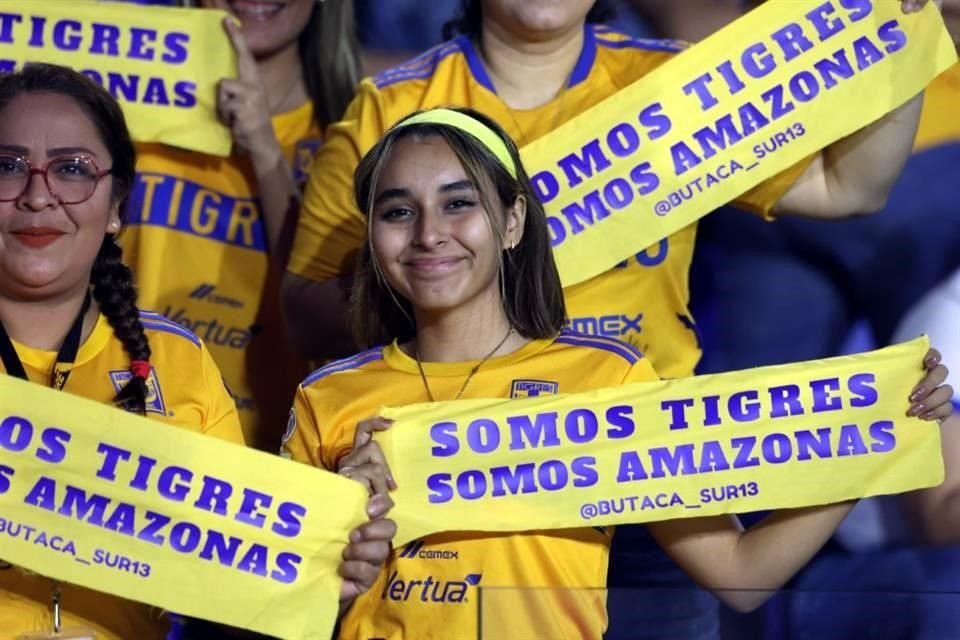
[254, 10]
[37, 238]
[433, 265]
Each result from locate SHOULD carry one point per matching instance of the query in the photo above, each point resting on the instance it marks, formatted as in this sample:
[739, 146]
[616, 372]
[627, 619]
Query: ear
[516, 216]
[113, 221]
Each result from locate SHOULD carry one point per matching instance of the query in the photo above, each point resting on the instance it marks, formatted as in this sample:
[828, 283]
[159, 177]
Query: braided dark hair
[114, 291]
[111, 280]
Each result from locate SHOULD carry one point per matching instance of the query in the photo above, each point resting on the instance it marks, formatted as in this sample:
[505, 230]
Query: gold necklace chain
[473, 372]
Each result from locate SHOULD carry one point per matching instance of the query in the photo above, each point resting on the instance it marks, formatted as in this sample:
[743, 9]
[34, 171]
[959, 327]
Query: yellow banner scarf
[777, 85]
[161, 63]
[217, 531]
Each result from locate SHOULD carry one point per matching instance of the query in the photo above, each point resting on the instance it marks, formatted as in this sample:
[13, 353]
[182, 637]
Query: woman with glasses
[69, 320]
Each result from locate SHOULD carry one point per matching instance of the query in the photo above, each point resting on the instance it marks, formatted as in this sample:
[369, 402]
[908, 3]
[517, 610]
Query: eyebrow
[390, 194]
[51, 153]
[66, 151]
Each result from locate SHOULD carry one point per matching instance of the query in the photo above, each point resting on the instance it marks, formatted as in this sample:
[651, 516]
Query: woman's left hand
[368, 549]
[241, 102]
[930, 400]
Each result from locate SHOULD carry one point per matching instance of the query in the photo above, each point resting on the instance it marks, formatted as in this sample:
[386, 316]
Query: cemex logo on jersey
[208, 293]
[533, 388]
[415, 550]
[612, 326]
[429, 589]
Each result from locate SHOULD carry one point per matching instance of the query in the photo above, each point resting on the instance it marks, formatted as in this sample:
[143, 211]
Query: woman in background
[207, 236]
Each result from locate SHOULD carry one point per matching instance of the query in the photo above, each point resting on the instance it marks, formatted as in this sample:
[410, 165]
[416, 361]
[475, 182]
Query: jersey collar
[581, 69]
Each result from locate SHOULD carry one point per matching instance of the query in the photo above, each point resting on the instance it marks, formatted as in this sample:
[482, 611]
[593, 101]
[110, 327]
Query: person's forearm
[279, 200]
[866, 164]
[855, 174]
[317, 316]
[775, 549]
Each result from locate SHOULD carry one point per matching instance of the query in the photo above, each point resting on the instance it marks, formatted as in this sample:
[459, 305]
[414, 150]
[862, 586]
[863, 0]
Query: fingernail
[917, 409]
[375, 507]
[355, 536]
[917, 394]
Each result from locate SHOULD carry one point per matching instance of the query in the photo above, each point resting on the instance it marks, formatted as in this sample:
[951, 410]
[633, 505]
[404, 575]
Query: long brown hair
[331, 60]
[530, 283]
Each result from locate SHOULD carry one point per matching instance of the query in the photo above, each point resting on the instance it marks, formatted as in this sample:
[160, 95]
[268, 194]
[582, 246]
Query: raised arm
[744, 568]
[855, 175]
[242, 106]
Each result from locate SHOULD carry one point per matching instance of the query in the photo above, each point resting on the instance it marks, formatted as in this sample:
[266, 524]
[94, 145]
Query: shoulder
[599, 347]
[423, 67]
[609, 38]
[627, 59]
[161, 328]
[357, 363]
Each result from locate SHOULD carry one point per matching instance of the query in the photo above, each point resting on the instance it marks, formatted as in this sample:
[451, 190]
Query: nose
[430, 230]
[37, 195]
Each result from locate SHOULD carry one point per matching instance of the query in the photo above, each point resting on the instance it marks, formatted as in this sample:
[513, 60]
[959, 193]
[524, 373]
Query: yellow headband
[465, 123]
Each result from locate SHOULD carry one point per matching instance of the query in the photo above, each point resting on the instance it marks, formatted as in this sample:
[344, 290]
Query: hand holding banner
[770, 89]
[795, 435]
[162, 64]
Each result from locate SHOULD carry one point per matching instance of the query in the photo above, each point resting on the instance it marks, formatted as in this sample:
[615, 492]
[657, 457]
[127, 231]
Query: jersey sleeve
[301, 440]
[221, 419]
[330, 227]
[640, 371]
[763, 197]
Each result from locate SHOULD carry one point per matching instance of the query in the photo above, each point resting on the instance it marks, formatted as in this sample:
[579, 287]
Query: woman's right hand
[366, 463]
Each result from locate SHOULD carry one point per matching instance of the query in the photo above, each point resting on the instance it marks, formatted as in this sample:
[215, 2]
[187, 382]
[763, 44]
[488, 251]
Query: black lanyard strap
[66, 356]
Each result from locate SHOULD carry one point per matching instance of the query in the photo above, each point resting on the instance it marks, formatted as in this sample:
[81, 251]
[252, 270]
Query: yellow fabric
[185, 391]
[195, 241]
[938, 120]
[653, 317]
[702, 446]
[161, 64]
[429, 587]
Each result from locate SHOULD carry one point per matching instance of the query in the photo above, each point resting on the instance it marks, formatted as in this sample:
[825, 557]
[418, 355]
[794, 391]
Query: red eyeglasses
[71, 179]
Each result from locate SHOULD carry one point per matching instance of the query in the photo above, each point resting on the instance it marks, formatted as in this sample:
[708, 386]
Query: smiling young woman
[456, 282]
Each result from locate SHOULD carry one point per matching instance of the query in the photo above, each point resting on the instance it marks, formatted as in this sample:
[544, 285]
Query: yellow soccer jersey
[642, 301]
[196, 243]
[186, 391]
[551, 581]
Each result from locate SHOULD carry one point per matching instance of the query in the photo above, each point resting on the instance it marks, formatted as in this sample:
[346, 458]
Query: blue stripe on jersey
[669, 46]
[956, 405]
[421, 62]
[475, 64]
[420, 67]
[345, 364]
[587, 56]
[581, 70]
[158, 322]
[626, 351]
